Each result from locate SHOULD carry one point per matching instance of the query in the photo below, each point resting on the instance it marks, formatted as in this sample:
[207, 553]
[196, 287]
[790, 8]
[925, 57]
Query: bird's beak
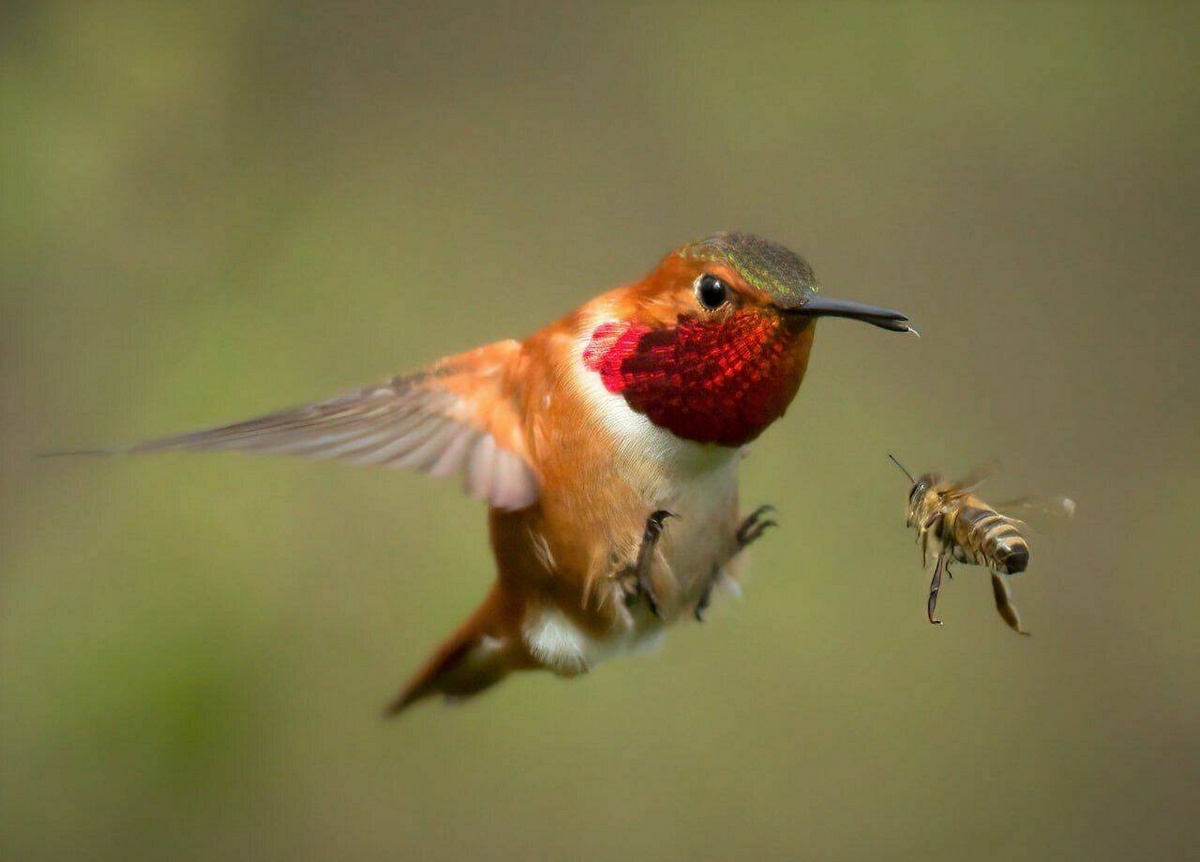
[816, 305]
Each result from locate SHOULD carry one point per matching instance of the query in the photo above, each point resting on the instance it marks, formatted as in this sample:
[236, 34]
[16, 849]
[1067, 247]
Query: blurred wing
[1040, 512]
[457, 417]
[970, 482]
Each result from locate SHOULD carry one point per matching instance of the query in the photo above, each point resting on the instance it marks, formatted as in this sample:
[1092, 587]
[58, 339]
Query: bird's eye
[711, 292]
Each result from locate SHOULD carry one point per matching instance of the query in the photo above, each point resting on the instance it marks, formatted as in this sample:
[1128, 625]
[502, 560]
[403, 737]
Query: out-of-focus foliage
[209, 210]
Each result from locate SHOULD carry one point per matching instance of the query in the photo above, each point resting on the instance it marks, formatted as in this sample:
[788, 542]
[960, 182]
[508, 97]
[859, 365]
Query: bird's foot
[754, 526]
[751, 529]
[705, 598]
[643, 583]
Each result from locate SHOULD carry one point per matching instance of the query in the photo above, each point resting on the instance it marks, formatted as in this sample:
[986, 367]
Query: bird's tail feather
[477, 656]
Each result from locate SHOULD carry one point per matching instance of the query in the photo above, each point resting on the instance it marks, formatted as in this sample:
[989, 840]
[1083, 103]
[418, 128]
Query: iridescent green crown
[773, 269]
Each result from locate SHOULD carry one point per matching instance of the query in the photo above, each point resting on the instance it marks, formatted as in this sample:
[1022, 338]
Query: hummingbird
[606, 446]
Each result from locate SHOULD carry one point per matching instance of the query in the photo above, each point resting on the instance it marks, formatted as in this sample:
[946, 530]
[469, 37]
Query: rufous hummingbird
[606, 445]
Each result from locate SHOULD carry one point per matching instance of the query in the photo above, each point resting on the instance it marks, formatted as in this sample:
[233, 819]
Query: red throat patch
[710, 382]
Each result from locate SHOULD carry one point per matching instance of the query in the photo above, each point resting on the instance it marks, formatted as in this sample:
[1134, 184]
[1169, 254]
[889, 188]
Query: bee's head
[921, 491]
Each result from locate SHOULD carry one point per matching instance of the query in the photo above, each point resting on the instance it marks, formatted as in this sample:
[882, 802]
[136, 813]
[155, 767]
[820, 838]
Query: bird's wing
[456, 417]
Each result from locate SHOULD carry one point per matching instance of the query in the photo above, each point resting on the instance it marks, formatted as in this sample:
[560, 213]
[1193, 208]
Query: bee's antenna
[901, 466]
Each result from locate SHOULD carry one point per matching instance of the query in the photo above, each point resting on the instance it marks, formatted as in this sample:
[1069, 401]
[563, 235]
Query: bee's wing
[457, 417]
[1038, 512]
[970, 482]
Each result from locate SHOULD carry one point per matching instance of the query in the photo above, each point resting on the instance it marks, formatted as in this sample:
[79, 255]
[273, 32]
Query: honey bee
[961, 527]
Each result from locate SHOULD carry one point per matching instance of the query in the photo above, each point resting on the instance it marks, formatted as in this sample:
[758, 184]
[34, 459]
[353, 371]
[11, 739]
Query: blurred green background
[211, 210]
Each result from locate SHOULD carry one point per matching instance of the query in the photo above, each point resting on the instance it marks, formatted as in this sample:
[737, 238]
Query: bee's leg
[645, 557]
[1008, 611]
[935, 585]
[923, 533]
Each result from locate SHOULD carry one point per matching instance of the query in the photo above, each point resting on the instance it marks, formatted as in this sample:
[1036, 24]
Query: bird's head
[712, 345]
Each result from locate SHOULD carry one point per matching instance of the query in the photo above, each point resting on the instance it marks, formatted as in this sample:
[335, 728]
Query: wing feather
[457, 417]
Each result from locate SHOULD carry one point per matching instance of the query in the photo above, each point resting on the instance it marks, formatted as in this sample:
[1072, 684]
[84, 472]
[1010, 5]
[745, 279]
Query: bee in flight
[961, 527]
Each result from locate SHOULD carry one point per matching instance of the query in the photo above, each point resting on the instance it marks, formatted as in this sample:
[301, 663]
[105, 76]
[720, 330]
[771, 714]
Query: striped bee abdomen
[984, 537]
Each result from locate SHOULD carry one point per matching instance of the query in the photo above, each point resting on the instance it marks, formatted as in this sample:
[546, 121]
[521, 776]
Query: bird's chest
[702, 493]
[612, 468]
[648, 468]
[694, 547]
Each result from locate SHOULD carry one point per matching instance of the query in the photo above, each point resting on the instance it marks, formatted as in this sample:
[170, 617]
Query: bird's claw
[650, 537]
[754, 526]
[705, 600]
[749, 532]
